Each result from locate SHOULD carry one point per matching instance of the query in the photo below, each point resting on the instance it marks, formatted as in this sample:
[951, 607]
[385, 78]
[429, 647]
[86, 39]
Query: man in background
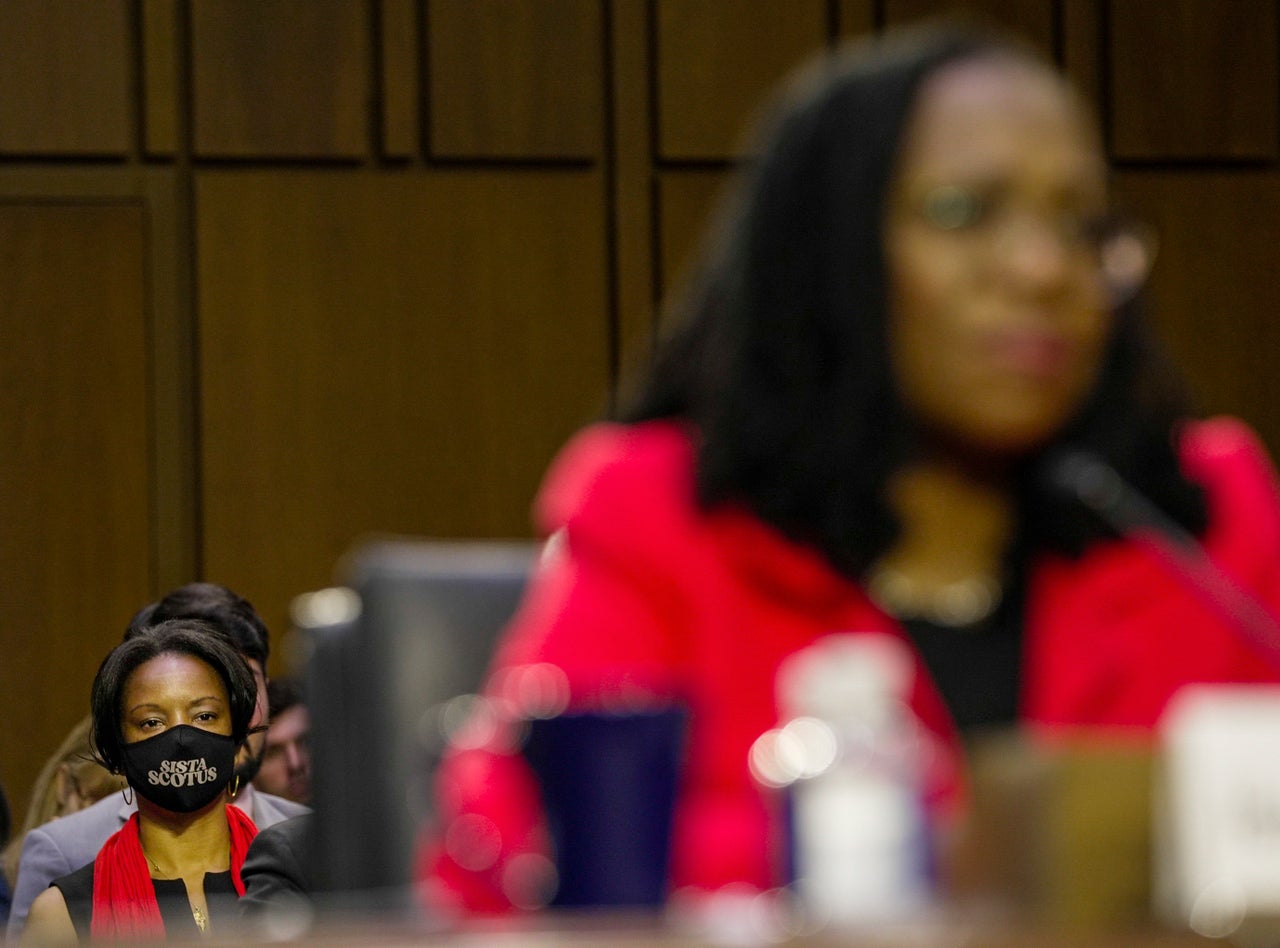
[286, 760]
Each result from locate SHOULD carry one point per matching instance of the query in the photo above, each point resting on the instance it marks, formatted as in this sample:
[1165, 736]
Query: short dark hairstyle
[194, 637]
[283, 694]
[215, 604]
[778, 354]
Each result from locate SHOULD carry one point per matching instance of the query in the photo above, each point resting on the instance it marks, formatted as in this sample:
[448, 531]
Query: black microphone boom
[1089, 479]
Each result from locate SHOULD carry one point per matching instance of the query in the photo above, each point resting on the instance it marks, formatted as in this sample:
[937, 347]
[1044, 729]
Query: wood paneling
[400, 74]
[1213, 293]
[400, 353]
[716, 61]
[1197, 81]
[75, 502]
[401, 344]
[633, 187]
[65, 77]
[280, 78]
[857, 17]
[160, 43]
[515, 78]
[1032, 19]
[687, 199]
[1082, 48]
[176, 524]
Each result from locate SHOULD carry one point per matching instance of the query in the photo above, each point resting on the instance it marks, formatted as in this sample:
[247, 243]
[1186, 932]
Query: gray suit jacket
[64, 845]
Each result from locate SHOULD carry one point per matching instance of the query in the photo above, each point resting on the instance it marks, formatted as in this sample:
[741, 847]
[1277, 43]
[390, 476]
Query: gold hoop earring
[235, 788]
[127, 793]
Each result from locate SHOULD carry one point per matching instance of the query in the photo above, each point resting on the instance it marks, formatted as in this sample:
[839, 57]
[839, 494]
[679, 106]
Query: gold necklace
[202, 920]
[965, 602]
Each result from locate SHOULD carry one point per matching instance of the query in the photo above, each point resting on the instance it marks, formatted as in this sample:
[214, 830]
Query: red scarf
[124, 900]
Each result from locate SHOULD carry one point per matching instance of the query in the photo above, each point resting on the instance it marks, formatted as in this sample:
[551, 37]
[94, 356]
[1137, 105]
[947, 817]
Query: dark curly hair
[193, 637]
[778, 356]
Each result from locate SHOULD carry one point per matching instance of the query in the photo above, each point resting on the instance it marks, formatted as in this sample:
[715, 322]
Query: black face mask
[182, 769]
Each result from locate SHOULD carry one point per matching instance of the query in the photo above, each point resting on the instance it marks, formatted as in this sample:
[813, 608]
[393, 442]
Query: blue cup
[609, 787]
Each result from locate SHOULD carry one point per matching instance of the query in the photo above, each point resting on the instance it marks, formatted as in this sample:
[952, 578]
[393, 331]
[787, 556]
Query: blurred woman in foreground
[915, 313]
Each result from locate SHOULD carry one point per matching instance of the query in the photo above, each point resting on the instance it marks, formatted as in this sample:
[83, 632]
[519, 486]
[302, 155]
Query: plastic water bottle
[848, 753]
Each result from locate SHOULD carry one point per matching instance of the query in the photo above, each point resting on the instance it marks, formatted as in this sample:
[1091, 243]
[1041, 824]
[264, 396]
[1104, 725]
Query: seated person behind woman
[914, 297]
[285, 770]
[171, 707]
[69, 781]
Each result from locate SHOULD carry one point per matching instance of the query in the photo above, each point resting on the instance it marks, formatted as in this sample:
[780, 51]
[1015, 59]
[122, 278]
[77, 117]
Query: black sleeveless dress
[171, 894]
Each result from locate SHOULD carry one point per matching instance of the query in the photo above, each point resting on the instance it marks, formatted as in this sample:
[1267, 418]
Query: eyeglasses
[1121, 250]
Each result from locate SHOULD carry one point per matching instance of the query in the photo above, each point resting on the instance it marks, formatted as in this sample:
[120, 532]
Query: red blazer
[643, 598]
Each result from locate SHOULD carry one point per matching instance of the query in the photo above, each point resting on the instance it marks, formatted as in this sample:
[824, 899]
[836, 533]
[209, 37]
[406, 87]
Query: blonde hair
[73, 761]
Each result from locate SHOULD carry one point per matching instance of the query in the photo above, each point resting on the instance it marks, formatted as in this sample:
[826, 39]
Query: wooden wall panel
[75, 549]
[716, 62]
[633, 188]
[1214, 294]
[160, 44]
[65, 77]
[280, 78]
[402, 344]
[400, 78]
[398, 353]
[515, 78]
[687, 200]
[1032, 19]
[1082, 49]
[857, 17]
[1200, 80]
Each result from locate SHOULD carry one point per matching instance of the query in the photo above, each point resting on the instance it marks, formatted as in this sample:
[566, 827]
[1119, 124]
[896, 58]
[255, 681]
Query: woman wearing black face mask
[170, 709]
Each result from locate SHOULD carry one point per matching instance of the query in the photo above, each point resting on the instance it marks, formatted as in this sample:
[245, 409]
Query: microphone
[1089, 479]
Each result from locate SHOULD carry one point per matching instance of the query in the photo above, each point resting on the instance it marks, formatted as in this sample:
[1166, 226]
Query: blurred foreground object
[850, 758]
[396, 658]
[915, 296]
[1218, 812]
[1059, 832]
[592, 768]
